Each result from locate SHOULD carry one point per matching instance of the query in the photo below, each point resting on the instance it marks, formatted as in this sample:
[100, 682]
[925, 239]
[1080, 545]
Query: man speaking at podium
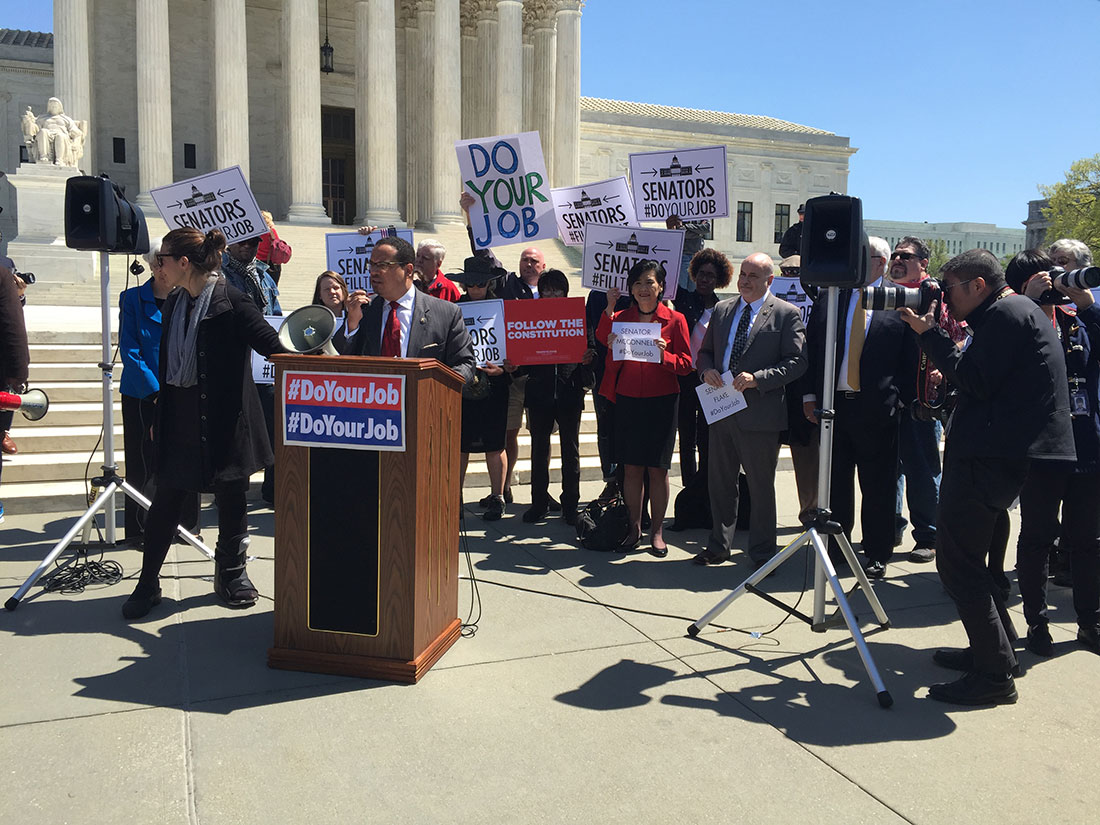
[403, 322]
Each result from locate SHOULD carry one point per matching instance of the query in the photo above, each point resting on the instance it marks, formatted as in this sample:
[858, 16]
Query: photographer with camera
[1013, 408]
[1050, 486]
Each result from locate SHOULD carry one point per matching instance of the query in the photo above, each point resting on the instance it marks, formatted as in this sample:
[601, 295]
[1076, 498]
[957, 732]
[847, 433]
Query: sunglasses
[160, 256]
[905, 256]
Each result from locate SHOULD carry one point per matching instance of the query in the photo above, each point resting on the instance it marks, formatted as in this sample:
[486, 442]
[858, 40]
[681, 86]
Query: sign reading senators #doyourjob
[218, 200]
[350, 411]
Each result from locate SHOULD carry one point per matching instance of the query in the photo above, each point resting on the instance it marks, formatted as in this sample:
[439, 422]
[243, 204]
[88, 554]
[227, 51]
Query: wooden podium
[366, 541]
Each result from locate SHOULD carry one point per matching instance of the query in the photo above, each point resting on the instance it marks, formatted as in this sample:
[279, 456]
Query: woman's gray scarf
[183, 336]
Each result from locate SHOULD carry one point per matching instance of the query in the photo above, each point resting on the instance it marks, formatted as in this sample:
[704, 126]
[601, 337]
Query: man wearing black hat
[792, 238]
[402, 322]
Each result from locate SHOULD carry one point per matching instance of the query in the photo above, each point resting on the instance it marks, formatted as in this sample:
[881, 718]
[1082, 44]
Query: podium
[366, 539]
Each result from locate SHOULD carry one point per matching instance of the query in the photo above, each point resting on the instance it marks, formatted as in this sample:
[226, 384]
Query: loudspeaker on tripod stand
[834, 249]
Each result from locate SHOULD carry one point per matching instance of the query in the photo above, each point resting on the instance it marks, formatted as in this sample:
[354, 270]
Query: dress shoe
[875, 569]
[923, 555]
[141, 601]
[485, 501]
[976, 689]
[7, 445]
[709, 559]
[535, 512]
[659, 552]
[1089, 636]
[1039, 641]
[961, 660]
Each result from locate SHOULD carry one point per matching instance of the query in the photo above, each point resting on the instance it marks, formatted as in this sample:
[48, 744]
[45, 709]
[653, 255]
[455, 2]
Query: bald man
[759, 339]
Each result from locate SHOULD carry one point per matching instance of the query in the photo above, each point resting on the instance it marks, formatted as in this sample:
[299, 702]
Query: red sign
[545, 331]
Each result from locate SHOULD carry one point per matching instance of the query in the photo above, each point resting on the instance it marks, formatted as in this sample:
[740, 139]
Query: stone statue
[54, 137]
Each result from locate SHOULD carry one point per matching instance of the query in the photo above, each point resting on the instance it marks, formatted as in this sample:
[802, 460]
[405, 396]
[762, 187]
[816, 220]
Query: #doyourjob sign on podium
[366, 579]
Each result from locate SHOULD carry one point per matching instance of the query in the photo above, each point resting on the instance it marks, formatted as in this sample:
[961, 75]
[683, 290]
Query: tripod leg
[757, 577]
[864, 582]
[186, 535]
[884, 698]
[59, 548]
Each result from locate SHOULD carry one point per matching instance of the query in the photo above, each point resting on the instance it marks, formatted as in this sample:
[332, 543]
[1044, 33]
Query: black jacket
[791, 243]
[1081, 344]
[14, 352]
[1013, 390]
[214, 432]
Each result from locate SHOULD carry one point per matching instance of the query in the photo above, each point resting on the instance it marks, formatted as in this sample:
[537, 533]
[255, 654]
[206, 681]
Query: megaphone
[309, 331]
[33, 403]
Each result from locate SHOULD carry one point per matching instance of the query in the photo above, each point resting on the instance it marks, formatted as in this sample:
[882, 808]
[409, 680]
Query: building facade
[1037, 224]
[958, 237]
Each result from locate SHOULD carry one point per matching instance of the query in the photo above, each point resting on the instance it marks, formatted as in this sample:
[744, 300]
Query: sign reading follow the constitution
[546, 331]
[610, 251]
[689, 183]
[605, 201]
[349, 411]
[506, 176]
[218, 200]
[348, 254]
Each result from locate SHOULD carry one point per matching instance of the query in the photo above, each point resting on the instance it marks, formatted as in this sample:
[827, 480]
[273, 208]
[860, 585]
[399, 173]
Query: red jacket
[638, 379]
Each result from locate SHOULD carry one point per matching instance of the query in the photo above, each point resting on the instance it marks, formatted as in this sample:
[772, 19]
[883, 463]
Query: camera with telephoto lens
[1087, 277]
[920, 298]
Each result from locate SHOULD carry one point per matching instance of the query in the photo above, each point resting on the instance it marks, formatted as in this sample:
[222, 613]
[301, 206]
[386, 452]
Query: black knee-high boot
[231, 581]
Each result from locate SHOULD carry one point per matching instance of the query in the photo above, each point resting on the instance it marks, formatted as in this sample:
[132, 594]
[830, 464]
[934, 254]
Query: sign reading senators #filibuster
[345, 410]
[218, 200]
[688, 183]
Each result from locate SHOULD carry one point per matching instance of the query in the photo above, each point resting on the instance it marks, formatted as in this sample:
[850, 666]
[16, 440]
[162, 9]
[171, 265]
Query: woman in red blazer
[645, 396]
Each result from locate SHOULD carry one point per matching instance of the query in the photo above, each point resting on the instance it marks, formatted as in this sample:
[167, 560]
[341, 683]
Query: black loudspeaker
[98, 218]
[834, 246]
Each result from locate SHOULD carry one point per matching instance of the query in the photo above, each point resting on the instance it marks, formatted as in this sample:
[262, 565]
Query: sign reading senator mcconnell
[688, 183]
[218, 200]
[350, 411]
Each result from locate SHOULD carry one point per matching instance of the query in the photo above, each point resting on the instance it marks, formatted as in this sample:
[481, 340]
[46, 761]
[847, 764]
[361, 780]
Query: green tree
[1074, 210]
[937, 255]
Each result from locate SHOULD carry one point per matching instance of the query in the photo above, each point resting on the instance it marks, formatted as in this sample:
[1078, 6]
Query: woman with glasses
[645, 396]
[209, 433]
[139, 327]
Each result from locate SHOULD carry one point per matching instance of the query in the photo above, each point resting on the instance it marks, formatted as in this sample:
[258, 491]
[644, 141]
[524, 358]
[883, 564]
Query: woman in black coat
[209, 431]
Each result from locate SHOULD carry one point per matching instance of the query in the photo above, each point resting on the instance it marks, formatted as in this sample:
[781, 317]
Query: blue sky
[959, 109]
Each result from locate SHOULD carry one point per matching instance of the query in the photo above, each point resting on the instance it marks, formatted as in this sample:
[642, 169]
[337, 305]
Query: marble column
[411, 166]
[154, 99]
[446, 113]
[423, 103]
[567, 94]
[528, 63]
[72, 68]
[302, 76]
[509, 70]
[542, 77]
[469, 66]
[375, 143]
[230, 53]
[484, 90]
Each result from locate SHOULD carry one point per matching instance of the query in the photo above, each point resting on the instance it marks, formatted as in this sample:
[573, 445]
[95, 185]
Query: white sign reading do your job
[218, 200]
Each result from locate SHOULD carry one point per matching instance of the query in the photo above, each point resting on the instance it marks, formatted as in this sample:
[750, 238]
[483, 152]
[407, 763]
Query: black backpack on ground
[603, 527]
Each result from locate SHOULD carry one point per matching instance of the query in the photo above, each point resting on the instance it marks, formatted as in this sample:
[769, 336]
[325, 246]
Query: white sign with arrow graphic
[348, 254]
[218, 200]
[688, 183]
[610, 251]
[485, 322]
[605, 201]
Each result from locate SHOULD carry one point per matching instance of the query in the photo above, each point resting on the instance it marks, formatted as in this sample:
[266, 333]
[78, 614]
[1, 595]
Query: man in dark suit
[876, 358]
[760, 339]
[403, 322]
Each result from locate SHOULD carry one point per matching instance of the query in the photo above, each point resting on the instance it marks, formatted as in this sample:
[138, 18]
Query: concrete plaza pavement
[578, 699]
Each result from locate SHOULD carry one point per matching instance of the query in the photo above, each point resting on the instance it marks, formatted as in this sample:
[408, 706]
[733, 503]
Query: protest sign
[506, 176]
[263, 371]
[348, 254]
[690, 183]
[350, 411]
[545, 331]
[610, 251]
[218, 200]
[636, 342]
[720, 402]
[485, 322]
[606, 201]
[791, 291]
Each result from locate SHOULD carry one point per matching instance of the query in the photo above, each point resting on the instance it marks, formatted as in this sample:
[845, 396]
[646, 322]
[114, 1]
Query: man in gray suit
[760, 339]
[403, 322]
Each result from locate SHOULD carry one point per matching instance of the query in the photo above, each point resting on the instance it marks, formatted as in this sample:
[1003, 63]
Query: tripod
[822, 525]
[110, 482]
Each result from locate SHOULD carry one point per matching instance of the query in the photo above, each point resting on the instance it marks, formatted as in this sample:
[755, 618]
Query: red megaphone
[33, 403]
